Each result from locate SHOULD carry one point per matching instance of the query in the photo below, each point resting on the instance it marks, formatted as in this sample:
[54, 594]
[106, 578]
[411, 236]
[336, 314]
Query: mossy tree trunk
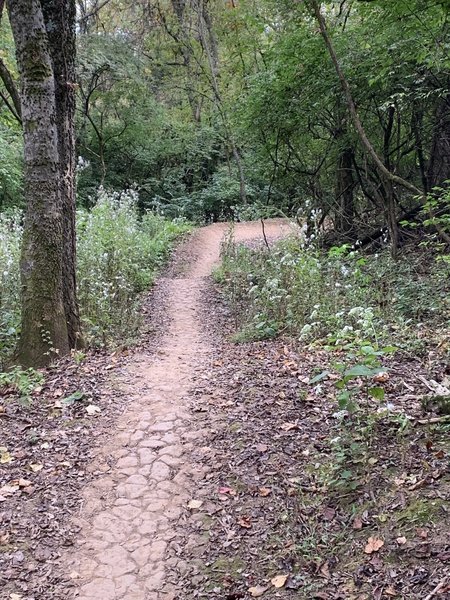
[59, 17]
[48, 190]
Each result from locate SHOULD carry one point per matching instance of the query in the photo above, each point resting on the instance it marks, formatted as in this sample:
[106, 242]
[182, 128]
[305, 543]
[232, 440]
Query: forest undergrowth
[119, 252]
[335, 410]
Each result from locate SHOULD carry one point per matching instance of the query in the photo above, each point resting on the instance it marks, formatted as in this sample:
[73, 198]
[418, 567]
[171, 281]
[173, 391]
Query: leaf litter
[48, 447]
[322, 516]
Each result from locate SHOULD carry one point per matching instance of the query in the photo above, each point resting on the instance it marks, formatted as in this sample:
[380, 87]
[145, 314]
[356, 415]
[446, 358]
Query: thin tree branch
[369, 149]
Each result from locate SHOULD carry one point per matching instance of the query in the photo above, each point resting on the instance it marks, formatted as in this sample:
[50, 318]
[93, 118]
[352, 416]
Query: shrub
[118, 255]
[334, 298]
[10, 241]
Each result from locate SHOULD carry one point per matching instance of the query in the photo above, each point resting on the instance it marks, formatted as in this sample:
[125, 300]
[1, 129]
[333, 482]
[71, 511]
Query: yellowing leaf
[36, 467]
[245, 522]
[373, 545]
[279, 581]
[257, 591]
[5, 456]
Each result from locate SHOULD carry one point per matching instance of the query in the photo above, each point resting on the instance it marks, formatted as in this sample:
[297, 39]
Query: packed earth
[194, 467]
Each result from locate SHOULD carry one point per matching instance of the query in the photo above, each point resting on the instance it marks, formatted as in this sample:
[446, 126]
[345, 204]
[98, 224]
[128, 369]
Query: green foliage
[10, 163]
[24, 382]
[10, 241]
[340, 300]
[118, 255]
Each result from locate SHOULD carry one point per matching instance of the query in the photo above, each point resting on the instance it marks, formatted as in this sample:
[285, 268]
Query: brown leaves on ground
[373, 545]
[48, 460]
[339, 519]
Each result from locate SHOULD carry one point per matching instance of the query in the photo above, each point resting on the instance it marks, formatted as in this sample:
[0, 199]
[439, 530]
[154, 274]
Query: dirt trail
[127, 542]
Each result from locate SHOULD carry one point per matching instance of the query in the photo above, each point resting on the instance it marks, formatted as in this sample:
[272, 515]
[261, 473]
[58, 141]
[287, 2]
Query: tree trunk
[439, 166]
[44, 327]
[59, 16]
[384, 173]
[209, 44]
[345, 185]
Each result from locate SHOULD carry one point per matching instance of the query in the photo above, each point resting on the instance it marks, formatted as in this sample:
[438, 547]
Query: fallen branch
[432, 420]
[264, 234]
[440, 586]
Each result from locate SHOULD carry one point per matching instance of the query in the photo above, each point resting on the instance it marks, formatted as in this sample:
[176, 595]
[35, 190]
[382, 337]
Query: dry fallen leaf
[35, 467]
[381, 377]
[401, 541]
[422, 533]
[9, 489]
[257, 591]
[373, 545]
[279, 581]
[288, 426]
[23, 483]
[245, 522]
[5, 456]
[328, 513]
[92, 409]
[263, 491]
[261, 447]
[193, 504]
[227, 490]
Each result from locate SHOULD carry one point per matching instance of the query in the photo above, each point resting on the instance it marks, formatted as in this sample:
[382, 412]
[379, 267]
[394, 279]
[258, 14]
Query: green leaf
[376, 392]
[76, 396]
[343, 399]
[361, 371]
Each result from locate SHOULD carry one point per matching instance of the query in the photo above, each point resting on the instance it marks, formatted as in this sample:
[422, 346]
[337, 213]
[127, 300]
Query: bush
[336, 297]
[10, 241]
[118, 255]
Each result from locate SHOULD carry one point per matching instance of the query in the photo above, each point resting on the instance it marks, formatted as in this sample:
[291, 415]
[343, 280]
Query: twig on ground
[440, 586]
[264, 234]
[432, 420]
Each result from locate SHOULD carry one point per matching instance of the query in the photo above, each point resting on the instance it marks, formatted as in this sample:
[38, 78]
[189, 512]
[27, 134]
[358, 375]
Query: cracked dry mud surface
[127, 546]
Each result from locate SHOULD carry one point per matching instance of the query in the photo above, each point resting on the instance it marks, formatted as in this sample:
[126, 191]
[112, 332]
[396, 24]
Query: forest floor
[194, 467]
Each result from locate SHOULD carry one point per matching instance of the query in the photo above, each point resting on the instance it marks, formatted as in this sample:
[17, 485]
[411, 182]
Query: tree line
[337, 112]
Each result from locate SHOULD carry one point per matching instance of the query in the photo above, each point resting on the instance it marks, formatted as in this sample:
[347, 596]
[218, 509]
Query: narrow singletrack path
[130, 513]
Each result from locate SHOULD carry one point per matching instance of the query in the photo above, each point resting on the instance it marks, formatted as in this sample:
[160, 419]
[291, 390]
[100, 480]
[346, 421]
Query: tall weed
[334, 297]
[118, 256]
[119, 253]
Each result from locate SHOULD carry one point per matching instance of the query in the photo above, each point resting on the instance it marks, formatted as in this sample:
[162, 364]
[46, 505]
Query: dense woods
[336, 114]
[271, 418]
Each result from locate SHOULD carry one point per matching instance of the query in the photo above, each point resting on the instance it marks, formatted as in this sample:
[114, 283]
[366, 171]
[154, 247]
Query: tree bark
[209, 44]
[59, 16]
[44, 327]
